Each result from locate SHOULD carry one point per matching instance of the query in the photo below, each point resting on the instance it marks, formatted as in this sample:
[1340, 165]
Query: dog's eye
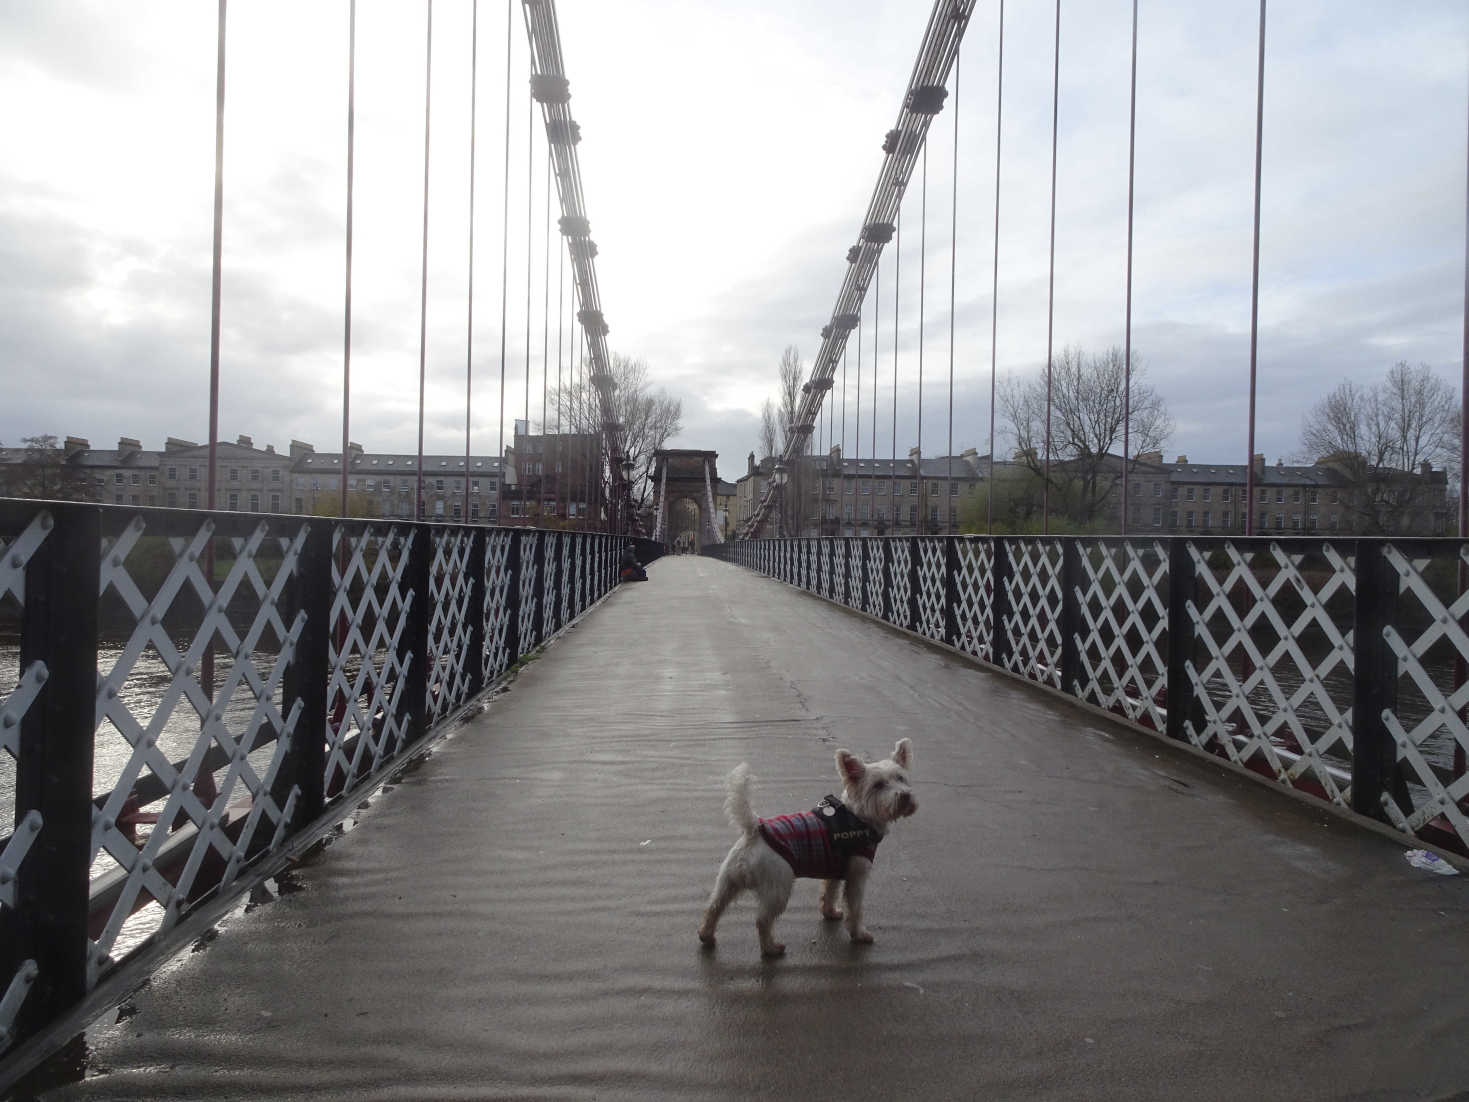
[879, 784]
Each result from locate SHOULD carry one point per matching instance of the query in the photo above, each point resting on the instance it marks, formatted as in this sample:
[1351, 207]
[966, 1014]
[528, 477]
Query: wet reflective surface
[1075, 911]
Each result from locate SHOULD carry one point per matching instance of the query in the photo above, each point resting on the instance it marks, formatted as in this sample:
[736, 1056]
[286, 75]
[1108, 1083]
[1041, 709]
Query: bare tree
[769, 430]
[1087, 416]
[1379, 438]
[648, 417]
[792, 376]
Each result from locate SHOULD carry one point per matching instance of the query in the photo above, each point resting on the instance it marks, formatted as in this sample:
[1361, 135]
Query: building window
[474, 485]
[516, 509]
[1188, 494]
[118, 480]
[866, 511]
[867, 487]
[1224, 494]
[1157, 489]
[133, 499]
[1172, 518]
[137, 479]
[275, 503]
[1172, 493]
[848, 490]
[474, 510]
[1207, 493]
[254, 474]
[1264, 521]
[1279, 495]
[234, 474]
[173, 474]
[193, 474]
[1333, 522]
[173, 499]
[913, 488]
[897, 489]
[933, 516]
[300, 505]
[1311, 521]
[1208, 517]
[234, 502]
[254, 503]
[1157, 516]
[117, 499]
[193, 499]
[275, 475]
[953, 516]
[492, 510]
[1224, 519]
[458, 511]
[1280, 521]
[912, 516]
[1188, 519]
[847, 511]
[953, 489]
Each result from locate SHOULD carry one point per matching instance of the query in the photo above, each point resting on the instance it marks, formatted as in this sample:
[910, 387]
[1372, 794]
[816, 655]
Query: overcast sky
[728, 153]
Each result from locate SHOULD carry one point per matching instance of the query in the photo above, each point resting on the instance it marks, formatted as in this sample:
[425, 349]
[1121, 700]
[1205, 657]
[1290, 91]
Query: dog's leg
[857, 870]
[725, 889]
[829, 908]
[774, 892]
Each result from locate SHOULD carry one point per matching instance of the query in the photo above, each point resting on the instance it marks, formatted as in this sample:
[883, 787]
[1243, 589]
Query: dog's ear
[850, 768]
[903, 753]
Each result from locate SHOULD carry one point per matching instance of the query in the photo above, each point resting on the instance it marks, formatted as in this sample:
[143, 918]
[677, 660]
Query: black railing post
[540, 621]
[951, 590]
[1071, 577]
[915, 579]
[1000, 610]
[1374, 757]
[306, 679]
[54, 772]
[476, 611]
[512, 594]
[1181, 575]
[419, 679]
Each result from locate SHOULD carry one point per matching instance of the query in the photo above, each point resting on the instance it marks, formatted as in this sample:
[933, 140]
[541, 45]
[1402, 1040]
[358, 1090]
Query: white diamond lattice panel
[1034, 623]
[839, 570]
[1427, 723]
[496, 612]
[529, 588]
[901, 575]
[931, 566]
[876, 563]
[207, 824]
[367, 651]
[1275, 684]
[974, 586]
[855, 596]
[1123, 629]
[449, 588]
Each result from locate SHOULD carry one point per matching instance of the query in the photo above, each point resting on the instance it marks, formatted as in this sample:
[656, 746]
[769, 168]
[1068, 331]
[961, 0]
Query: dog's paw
[832, 914]
[862, 937]
[706, 936]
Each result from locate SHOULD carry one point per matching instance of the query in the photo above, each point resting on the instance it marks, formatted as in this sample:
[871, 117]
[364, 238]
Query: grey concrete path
[1075, 911]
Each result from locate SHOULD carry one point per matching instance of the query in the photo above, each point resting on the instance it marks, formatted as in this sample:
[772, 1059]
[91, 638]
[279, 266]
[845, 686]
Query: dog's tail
[737, 802]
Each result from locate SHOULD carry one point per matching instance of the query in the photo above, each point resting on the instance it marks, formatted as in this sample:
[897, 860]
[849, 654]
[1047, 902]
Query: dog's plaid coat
[817, 843]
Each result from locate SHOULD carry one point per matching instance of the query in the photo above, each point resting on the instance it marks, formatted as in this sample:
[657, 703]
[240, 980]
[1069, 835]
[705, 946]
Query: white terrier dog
[834, 842]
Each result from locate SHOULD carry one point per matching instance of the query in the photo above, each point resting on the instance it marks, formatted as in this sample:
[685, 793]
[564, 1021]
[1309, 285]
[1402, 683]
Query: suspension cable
[1051, 286]
[505, 255]
[953, 269]
[216, 281]
[897, 316]
[530, 250]
[876, 312]
[347, 294]
[1127, 329]
[995, 279]
[560, 324]
[857, 429]
[842, 488]
[428, 83]
[922, 287]
[469, 335]
[1255, 280]
[546, 307]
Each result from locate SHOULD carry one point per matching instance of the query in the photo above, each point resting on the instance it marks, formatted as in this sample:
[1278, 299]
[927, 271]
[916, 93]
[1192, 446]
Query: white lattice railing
[224, 680]
[1251, 650]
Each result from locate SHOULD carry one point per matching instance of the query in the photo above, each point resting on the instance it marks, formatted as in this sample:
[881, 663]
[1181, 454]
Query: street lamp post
[627, 493]
[779, 478]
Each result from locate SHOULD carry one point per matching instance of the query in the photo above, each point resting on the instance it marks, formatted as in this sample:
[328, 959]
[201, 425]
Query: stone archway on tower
[681, 475]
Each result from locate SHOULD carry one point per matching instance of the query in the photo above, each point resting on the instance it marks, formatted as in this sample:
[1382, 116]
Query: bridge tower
[679, 475]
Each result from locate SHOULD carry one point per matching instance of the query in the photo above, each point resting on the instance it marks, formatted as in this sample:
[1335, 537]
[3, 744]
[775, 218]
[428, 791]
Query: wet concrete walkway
[1075, 912]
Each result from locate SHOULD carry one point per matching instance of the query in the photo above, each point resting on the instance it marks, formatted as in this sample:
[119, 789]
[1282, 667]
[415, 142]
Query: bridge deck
[1076, 911]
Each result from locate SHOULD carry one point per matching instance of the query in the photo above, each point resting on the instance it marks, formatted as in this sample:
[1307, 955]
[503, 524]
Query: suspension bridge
[318, 805]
